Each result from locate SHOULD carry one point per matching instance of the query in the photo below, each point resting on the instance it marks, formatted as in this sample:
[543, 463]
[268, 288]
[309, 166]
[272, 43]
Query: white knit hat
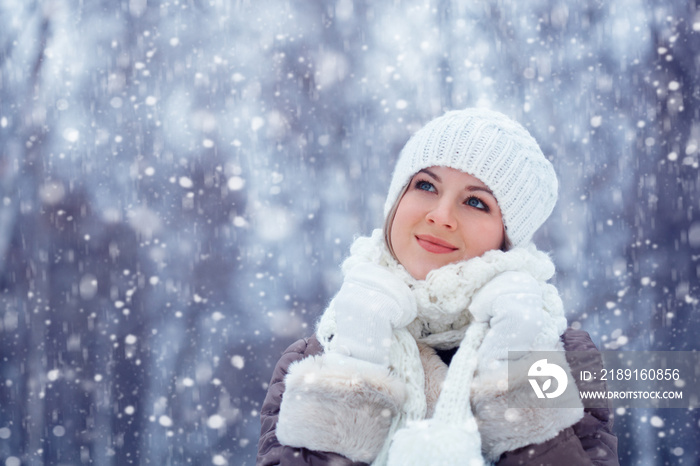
[495, 149]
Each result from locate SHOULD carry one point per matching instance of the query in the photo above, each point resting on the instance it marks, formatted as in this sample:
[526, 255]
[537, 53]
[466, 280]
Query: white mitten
[370, 304]
[512, 304]
[432, 442]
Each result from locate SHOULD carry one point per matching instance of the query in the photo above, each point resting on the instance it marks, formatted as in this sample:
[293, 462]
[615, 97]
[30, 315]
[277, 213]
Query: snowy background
[179, 181]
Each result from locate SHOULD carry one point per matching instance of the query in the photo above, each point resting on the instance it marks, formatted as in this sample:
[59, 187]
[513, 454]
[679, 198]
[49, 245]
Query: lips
[435, 245]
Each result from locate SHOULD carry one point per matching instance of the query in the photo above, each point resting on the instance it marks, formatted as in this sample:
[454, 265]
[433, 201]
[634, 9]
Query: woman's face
[445, 216]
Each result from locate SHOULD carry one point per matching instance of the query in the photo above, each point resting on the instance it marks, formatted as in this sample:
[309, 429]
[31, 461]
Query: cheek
[396, 228]
[401, 227]
[500, 238]
[496, 235]
[401, 217]
[489, 235]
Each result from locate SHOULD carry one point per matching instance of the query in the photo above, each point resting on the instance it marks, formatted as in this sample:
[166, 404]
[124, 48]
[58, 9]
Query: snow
[180, 182]
[656, 421]
[165, 421]
[236, 183]
[88, 286]
[256, 123]
[238, 362]
[71, 134]
[216, 422]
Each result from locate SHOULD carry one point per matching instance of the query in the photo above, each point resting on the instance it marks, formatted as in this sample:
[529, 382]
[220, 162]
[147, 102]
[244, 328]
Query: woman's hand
[370, 304]
[512, 304]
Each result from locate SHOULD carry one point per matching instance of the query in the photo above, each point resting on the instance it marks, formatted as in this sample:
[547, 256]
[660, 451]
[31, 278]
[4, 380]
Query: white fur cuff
[506, 415]
[436, 443]
[338, 404]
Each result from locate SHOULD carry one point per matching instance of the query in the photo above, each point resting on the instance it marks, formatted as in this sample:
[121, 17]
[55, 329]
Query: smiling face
[445, 216]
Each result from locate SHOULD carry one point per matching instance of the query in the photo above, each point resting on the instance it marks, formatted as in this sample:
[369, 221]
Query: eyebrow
[469, 188]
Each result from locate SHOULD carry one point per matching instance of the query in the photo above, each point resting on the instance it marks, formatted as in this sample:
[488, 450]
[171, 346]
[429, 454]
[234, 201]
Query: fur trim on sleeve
[339, 404]
[509, 418]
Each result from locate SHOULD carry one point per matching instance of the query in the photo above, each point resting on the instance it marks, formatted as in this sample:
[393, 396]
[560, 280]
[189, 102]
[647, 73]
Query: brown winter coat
[588, 442]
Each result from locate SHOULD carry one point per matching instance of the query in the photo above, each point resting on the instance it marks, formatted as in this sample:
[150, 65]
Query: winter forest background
[181, 179]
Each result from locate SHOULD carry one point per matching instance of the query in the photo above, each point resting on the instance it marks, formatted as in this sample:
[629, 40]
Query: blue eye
[477, 203]
[425, 186]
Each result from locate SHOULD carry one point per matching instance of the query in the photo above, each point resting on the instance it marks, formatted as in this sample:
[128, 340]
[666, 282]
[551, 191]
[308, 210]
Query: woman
[409, 363]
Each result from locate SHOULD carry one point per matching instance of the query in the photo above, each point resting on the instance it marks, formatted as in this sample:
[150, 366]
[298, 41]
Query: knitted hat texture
[495, 149]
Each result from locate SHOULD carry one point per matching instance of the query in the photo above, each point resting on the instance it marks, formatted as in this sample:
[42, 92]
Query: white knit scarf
[444, 322]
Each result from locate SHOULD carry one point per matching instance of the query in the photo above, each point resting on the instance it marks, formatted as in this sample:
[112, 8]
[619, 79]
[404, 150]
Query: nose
[442, 214]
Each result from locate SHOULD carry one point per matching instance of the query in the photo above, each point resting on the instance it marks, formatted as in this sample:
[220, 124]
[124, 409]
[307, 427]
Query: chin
[419, 273]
